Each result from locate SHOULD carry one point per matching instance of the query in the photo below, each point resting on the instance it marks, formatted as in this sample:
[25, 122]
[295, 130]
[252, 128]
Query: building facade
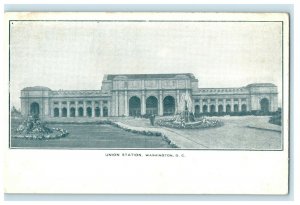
[140, 94]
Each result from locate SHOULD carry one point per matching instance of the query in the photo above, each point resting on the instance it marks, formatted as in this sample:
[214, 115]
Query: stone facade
[139, 94]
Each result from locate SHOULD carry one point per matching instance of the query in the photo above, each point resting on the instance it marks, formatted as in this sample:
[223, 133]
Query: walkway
[246, 132]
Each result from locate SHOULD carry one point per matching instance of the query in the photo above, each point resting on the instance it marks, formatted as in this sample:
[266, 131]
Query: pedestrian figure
[152, 118]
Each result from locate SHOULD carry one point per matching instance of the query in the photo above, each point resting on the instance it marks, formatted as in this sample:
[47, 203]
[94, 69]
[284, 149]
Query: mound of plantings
[179, 122]
[34, 128]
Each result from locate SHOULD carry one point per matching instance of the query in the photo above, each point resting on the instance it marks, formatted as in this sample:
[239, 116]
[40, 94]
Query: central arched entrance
[169, 105]
[134, 106]
[34, 109]
[264, 105]
[152, 105]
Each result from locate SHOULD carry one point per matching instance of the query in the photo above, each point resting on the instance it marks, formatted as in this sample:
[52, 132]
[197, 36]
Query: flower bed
[145, 132]
[181, 124]
[34, 128]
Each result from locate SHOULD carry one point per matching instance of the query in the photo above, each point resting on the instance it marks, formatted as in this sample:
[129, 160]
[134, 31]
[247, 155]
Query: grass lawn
[91, 136]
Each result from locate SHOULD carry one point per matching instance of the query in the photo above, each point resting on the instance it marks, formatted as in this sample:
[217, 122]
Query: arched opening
[264, 105]
[34, 109]
[212, 108]
[97, 112]
[105, 112]
[72, 112]
[89, 112]
[204, 108]
[80, 112]
[235, 108]
[197, 110]
[152, 105]
[134, 106]
[169, 105]
[220, 108]
[228, 108]
[244, 108]
[64, 112]
[56, 112]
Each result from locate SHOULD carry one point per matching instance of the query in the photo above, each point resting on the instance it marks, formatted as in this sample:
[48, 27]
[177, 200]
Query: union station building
[140, 94]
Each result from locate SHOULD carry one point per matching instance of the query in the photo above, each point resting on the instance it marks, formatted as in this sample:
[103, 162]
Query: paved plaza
[246, 132]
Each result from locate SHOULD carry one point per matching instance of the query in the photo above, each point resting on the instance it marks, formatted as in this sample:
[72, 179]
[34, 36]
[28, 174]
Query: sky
[76, 55]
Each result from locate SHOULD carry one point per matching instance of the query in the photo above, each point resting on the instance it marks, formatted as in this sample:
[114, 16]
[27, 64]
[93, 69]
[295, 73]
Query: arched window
[244, 108]
[34, 109]
[134, 106]
[212, 108]
[152, 105]
[169, 105]
[204, 108]
[64, 112]
[97, 112]
[80, 112]
[235, 108]
[220, 108]
[105, 111]
[56, 112]
[197, 110]
[72, 112]
[228, 108]
[89, 112]
[264, 105]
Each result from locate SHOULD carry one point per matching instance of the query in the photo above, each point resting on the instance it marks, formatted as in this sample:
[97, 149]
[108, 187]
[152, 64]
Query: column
[101, 108]
[177, 101]
[143, 103]
[84, 109]
[117, 103]
[217, 105]
[60, 109]
[161, 111]
[208, 105]
[240, 104]
[232, 105]
[93, 108]
[76, 108]
[108, 107]
[201, 105]
[224, 105]
[68, 108]
[126, 103]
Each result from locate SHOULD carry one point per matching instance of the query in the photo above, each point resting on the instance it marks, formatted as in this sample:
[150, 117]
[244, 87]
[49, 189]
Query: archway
[169, 105]
[228, 108]
[264, 105]
[64, 112]
[152, 105]
[212, 108]
[204, 108]
[244, 108]
[105, 112]
[89, 112]
[134, 106]
[97, 112]
[72, 112]
[197, 110]
[220, 108]
[80, 112]
[34, 109]
[56, 112]
[235, 108]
